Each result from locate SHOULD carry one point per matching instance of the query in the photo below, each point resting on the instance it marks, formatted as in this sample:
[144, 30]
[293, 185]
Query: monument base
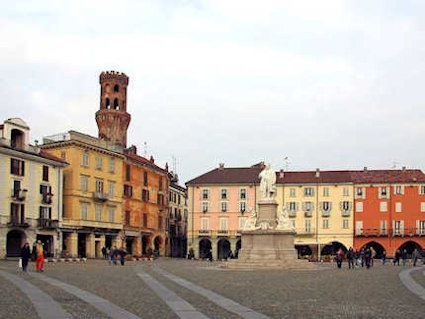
[268, 249]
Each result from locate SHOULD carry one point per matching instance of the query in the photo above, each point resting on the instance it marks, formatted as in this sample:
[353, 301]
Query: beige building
[30, 192]
[93, 189]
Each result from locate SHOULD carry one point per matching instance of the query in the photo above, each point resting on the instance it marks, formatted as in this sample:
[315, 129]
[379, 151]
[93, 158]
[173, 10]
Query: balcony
[345, 213]
[308, 213]
[204, 232]
[48, 223]
[100, 196]
[222, 232]
[292, 213]
[19, 194]
[398, 232]
[326, 213]
[305, 231]
[17, 222]
[47, 199]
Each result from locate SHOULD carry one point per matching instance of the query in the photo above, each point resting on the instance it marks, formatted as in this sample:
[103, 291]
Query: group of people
[38, 254]
[114, 254]
[365, 257]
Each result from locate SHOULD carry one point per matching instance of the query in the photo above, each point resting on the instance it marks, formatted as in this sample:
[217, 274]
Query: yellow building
[93, 186]
[30, 192]
[320, 205]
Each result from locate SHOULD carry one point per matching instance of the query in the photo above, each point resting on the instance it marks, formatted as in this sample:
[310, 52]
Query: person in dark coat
[25, 255]
[367, 257]
[122, 253]
[350, 258]
[339, 258]
[396, 259]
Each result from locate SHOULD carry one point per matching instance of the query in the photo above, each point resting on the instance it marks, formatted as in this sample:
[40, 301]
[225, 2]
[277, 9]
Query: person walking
[350, 258]
[339, 257]
[372, 255]
[384, 257]
[404, 256]
[39, 261]
[104, 252]
[415, 257]
[122, 256]
[362, 257]
[396, 259]
[367, 257]
[25, 255]
[114, 255]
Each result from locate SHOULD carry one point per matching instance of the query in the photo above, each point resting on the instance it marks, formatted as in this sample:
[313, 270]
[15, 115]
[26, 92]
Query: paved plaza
[170, 288]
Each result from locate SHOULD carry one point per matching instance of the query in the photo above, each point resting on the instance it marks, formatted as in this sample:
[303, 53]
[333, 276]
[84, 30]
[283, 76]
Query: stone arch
[145, 244]
[116, 105]
[223, 248]
[14, 241]
[17, 138]
[116, 88]
[304, 250]
[107, 88]
[377, 247]
[107, 103]
[332, 248]
[204, 247]
[157, 245]
[410, 246]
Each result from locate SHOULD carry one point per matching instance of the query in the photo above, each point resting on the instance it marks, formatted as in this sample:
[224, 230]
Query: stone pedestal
[268, 248]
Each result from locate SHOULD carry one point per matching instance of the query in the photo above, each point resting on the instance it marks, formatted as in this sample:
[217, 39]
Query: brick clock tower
[112, 118]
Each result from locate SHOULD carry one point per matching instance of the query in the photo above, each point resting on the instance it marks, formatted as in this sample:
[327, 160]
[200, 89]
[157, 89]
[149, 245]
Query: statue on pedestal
[251, 223]
[267, 183]
[283, 221]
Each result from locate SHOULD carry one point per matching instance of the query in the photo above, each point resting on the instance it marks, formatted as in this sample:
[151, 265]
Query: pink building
[219, 203]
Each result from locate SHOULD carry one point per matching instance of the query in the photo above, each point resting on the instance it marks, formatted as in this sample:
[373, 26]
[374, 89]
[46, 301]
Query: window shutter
[41, 189]
[402, 189]
[11, 166]
[330, 206]
[402, 227]
[363, 192]
[379, 192]
[22, 213]
[40, 214]
[393, 227]
[50, 212]
[297, 206]
[418, 230]
[23, 168]
[388, 192]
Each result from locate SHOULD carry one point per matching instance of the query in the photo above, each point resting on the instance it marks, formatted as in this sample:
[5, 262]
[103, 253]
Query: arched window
[107, 88]
[116, 88]
[116, 104]
[107, 103]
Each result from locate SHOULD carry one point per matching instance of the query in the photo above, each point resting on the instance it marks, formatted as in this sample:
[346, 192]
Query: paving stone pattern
[328, 292]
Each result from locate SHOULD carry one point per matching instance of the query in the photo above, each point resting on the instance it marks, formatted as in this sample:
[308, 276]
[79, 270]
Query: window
[242, 194]
[205, 207]
[98, 163]
[145, 179]
[98, 213]
[127, 217]
[45, 173]
[242, 207]
[242, 221]
[421, 189]
[383, 206]
[308, 191]
[175, 198]
[111, 214]
[205, 223]
[145, 220]
[383, 227]
[423, 207]
[99, 186]
[111, 188]
[159, 222]
[307, 226]
[145, 195]
[325, 224]
[112, 165]
[85, 159]
[205, 194]
[384, 192]
[326, 206]
[179, 200]
[359, 207]
[398, 227]
[84, 183]
[84, 207]
[292, 206]
[224, 194]
[224, 207]
[308, 206]
[17, 213]
[326, 192]
[16, 188]
[160, 199]
[359, 227]
[420, 227]
[292, 192]
[17, 167]
[223, 223]
[399, 190]
[346, 191]
[160, 183]
[398, 207]
[127, 172]
[116, 88]
[345, 205]
[360, 193]
[45, 212]
[128, 190]
[345, 223]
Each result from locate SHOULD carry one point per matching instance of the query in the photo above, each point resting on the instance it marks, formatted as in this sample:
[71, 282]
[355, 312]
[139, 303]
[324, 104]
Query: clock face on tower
[112, 118]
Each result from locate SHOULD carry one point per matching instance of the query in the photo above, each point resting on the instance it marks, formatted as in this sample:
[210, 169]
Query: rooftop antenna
[145, 149]
[174, 164]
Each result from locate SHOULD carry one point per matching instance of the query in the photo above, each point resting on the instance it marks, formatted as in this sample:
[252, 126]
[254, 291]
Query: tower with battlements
[112, 118]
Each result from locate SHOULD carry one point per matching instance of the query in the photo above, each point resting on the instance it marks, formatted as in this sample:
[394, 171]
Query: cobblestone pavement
[328, 292]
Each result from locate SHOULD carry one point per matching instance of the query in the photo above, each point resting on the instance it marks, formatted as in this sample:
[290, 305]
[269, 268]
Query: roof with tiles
[52, 157]
[249, 175]
[131, 153]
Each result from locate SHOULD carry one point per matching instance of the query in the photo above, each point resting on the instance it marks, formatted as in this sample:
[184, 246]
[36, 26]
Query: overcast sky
[328, 84]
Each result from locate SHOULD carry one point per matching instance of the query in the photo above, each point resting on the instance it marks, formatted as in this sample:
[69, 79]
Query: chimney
[281, 174]
[221, 166]
[166, 166]
[152, 159]
[365, 168]
[403, 168]
[317, 173]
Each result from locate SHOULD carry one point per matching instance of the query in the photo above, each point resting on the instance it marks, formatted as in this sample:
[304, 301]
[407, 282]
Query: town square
[212, 159]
